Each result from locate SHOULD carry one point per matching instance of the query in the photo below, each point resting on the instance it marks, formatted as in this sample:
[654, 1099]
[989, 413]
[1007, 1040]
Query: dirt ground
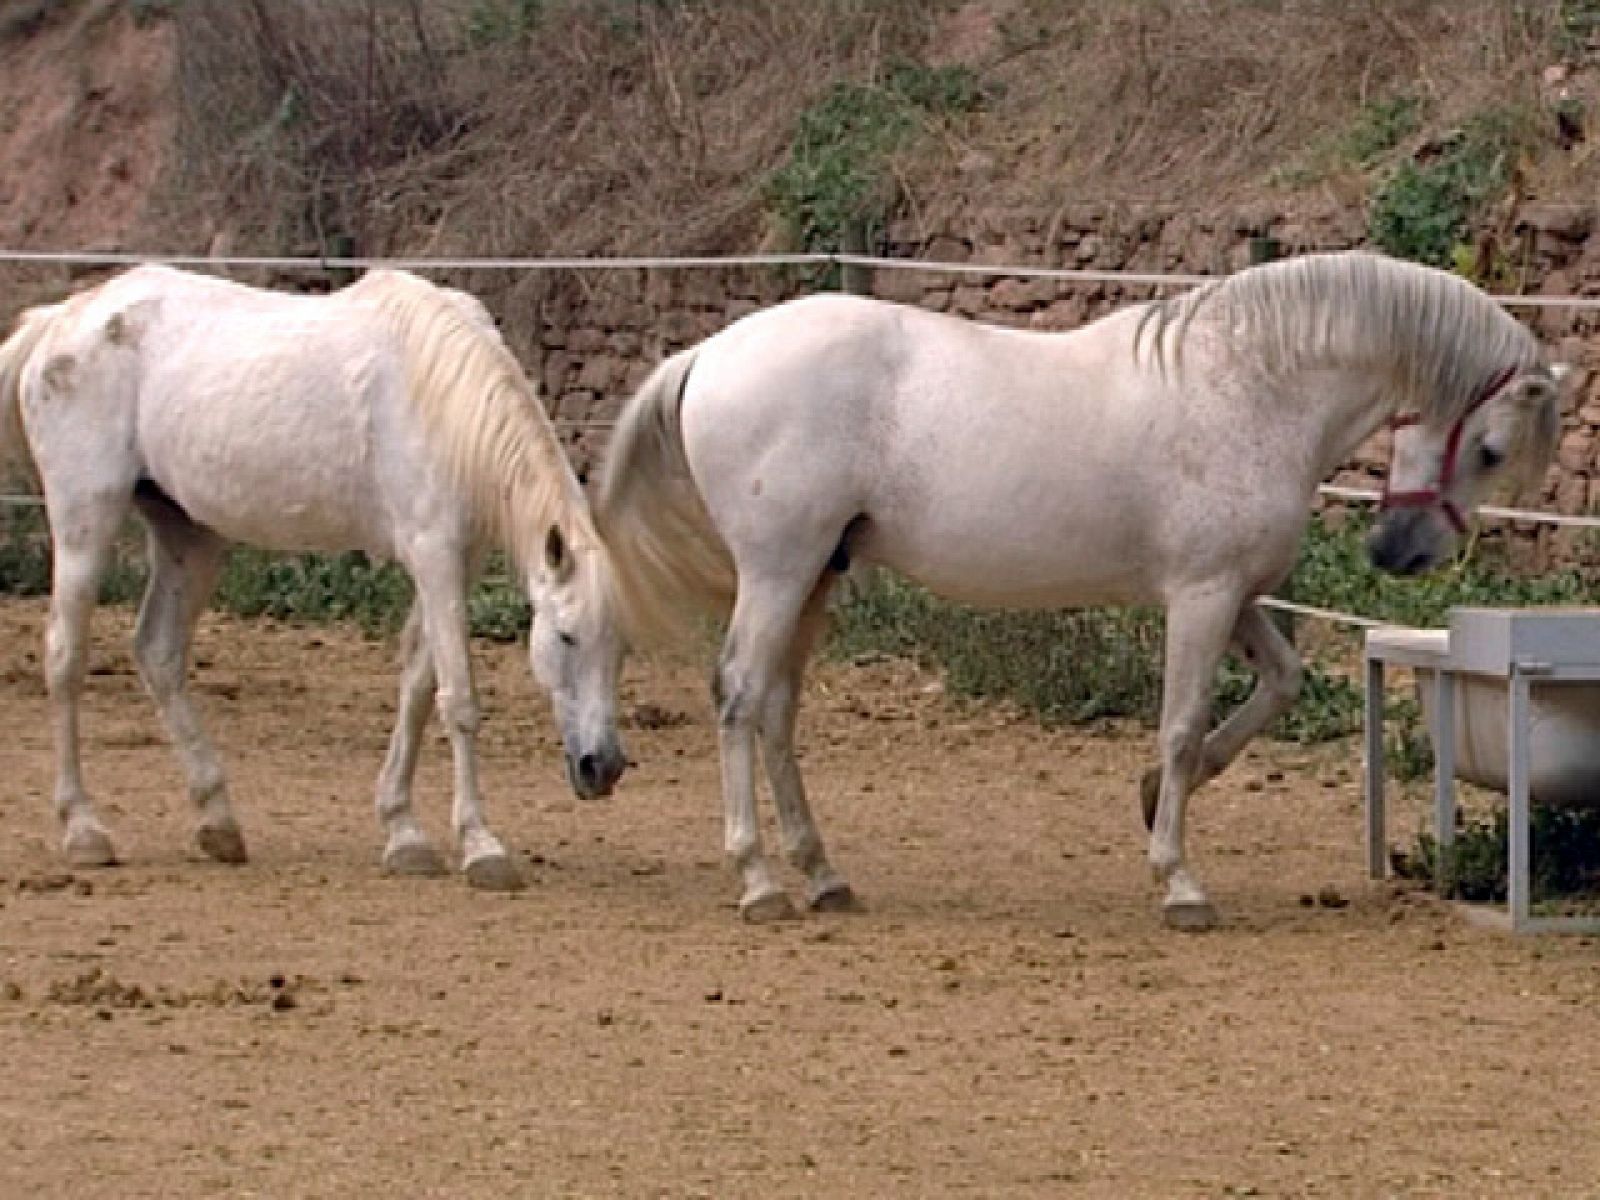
[1008, 1017]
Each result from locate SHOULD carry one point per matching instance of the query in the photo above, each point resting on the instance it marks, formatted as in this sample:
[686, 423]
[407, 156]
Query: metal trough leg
[1373, 717]
[1518, 869]
[1444, 770]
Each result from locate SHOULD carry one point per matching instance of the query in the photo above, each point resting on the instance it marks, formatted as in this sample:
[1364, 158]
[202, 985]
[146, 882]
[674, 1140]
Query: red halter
[1429, 497]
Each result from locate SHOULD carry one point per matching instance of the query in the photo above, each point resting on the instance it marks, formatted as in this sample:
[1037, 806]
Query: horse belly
[1035, 556]
[283, 471]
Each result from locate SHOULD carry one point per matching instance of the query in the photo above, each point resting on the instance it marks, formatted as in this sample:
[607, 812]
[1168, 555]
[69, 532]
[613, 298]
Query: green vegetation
[1424, 210]
[838, 174]
[1564, 864]
[491, 21]
[313, 588]
[1381, 126]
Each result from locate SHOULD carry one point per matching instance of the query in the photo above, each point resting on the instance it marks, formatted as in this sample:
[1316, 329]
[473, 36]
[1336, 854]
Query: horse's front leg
[1278, 675]
[407, 850]
[1198, 624]
[441, 590]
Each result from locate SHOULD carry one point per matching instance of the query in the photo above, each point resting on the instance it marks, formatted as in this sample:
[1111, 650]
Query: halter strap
[1435, 496]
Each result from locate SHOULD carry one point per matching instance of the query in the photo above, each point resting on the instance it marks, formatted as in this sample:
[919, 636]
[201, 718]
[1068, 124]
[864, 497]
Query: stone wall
[610, 328]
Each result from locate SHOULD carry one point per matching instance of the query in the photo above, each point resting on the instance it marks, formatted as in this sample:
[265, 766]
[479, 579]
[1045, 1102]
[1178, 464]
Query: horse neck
[525, 483]
[1342, 408]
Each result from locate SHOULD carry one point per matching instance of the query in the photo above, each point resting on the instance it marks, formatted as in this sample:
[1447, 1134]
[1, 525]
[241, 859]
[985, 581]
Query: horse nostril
[589, 770]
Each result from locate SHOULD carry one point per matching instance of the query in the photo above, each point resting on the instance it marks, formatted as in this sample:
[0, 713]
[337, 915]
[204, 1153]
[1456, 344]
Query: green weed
[1564, 860]
[1425, 208]
[837, 176]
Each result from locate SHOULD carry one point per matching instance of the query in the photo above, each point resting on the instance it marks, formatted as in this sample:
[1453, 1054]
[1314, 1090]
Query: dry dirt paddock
[1008, 1018]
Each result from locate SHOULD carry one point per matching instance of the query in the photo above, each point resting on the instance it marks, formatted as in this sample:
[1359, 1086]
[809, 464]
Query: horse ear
[557, 558]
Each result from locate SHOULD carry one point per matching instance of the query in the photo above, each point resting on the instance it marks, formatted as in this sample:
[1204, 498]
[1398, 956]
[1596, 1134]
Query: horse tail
[15, 352]
[670, 562]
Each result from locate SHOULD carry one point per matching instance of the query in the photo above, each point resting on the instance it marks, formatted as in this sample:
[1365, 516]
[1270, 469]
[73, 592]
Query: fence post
[853, 277]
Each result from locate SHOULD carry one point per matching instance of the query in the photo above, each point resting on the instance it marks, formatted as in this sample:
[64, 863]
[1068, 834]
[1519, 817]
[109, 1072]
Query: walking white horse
[388, 417]
[1167, 454]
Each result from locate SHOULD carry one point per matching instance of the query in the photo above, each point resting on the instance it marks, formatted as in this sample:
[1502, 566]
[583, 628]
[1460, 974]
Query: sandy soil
[1007, 1019]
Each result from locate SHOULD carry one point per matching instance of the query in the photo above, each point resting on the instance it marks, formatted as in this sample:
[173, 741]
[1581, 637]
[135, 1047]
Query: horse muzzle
[1406, 541]
[593, 774]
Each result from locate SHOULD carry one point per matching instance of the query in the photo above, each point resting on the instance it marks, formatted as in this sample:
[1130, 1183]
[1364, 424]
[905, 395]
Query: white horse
[388, 417]
[1167, 454]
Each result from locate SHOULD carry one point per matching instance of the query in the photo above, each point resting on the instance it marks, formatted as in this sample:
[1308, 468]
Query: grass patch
[1564, 865]
[310, 588]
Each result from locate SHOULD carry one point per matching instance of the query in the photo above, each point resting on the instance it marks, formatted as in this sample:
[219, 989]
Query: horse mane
[1439, 336]
[483, 416]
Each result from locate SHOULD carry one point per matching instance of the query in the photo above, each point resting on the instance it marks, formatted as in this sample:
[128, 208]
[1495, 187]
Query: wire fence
[818, 259]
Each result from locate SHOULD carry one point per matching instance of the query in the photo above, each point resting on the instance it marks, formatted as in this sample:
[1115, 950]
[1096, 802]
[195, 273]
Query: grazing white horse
[388, 417]
[1167, 454]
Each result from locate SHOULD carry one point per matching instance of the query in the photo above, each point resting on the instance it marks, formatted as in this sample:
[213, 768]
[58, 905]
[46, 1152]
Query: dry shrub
[1182, 101]
[569, 129]
[588, 127]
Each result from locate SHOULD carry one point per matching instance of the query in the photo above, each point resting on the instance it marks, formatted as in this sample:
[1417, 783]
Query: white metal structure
[1518, 650]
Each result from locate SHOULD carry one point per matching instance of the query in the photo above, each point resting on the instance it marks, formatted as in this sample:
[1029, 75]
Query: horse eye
[566, 638]
[1489, 458]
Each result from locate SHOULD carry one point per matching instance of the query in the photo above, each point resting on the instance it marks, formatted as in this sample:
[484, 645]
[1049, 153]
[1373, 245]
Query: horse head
[1438, 473]
[576, 649]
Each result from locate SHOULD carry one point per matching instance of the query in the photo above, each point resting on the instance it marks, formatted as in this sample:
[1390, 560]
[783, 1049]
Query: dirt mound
[88, 126]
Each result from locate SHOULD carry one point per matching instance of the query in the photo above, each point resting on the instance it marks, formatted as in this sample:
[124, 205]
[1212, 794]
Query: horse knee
[1286, 683]
[458, 712]
[63, 663]
[1182, 743]
[731, 695]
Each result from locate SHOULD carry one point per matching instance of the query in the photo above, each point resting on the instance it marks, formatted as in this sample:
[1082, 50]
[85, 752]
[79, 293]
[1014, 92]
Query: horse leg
[826, 889]
[1197, 635]
[184, 562]
[408, 851]
[760, 642]
[81, 535]
[440, 573]
[1278, 675]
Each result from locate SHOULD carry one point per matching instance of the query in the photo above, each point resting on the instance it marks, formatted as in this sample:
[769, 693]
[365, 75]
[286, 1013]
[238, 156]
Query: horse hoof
[222, 843]
[768, 907]
[1190, 917]
[414, 858]
[495, 873]
[835, 897]
[89, 847]
[1150, 796]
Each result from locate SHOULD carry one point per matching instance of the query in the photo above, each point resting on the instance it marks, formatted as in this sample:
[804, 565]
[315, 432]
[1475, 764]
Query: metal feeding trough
[1512, 698]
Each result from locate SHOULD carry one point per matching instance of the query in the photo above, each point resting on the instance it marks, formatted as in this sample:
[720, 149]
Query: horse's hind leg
[1197, 634]
[82, 532]
[408, 851]
[184, 562]
[754, 661]
[440, 571]
[1278, 672]
[826, 889]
